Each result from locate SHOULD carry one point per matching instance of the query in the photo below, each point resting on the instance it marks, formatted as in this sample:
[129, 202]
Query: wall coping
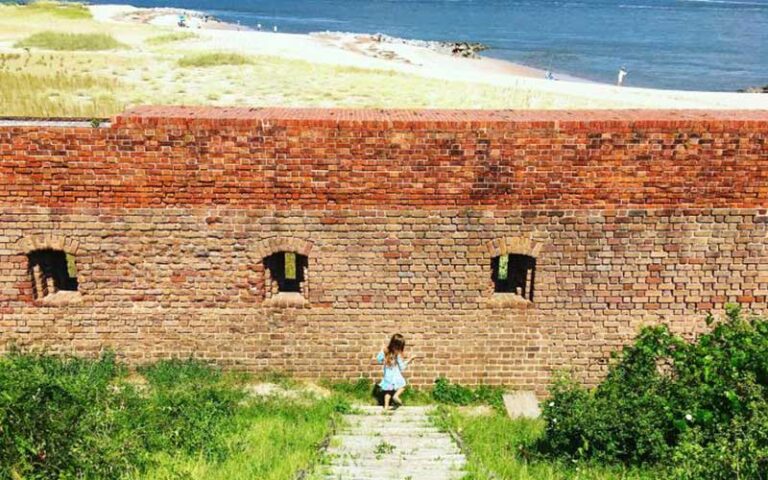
[153, 115]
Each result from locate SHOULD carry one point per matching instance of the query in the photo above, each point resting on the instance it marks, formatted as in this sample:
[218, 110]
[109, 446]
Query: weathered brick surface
[634, 218]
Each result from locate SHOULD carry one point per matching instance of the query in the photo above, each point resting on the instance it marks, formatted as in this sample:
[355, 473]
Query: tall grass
[170, 38]
[213, 59]
[502, 448]
[64, 10]
[57, 95]
[70, 41]
[74, 418]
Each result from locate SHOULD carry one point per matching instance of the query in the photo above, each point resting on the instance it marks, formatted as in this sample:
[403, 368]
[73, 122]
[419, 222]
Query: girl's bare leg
[396, 398]
[386, 401]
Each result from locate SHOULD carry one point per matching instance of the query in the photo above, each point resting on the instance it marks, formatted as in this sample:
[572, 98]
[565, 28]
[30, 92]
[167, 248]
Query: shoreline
[374, 45]
[414, 57]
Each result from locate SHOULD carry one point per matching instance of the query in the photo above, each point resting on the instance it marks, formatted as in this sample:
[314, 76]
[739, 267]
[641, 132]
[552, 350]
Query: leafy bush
[213, 59]
[698, 406]
[64, 418]
[70, 41]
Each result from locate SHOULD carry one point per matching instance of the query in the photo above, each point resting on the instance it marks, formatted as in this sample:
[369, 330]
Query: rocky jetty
[763, 89]
[460, 49]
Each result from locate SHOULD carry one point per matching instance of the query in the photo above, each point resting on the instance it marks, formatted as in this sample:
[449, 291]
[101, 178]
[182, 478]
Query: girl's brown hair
[395, 348]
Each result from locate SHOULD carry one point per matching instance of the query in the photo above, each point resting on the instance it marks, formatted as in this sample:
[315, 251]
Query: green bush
[70, 41]
[64, 418]
[699, 406]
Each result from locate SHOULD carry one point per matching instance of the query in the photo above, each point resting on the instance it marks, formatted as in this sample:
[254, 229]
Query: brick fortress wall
[633, 218]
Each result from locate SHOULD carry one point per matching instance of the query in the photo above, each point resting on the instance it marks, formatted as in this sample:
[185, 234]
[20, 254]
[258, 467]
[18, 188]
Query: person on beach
[622, 74]
[393, 383]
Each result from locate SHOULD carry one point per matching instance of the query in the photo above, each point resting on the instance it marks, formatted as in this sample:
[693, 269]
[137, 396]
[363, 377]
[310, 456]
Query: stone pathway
[401, 446]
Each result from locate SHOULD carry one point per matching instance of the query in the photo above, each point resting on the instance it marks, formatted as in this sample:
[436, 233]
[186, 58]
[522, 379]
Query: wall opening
[52, 271]
[286, 272]
[514, 273]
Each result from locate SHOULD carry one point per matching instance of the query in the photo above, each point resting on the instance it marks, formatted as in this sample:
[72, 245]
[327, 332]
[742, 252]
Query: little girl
[393, 383]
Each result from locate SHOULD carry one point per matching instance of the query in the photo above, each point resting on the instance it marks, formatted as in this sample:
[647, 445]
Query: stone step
[402, 445]
[405, 472]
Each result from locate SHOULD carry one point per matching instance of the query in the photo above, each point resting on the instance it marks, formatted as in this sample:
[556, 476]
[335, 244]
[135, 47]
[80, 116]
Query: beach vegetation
[171, 37]
[57, 95]
[213, 59]
[70, 41]
[62, 10]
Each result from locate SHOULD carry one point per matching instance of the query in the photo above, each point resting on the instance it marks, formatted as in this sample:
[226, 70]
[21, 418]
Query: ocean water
[680, 44]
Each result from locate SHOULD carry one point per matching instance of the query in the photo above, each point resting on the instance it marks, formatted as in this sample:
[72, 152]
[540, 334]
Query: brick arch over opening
[514, 245]
[47, 242]
[272, 245]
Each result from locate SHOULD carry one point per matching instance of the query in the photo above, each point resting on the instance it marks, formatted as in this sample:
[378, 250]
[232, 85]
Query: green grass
[269, 440]
[65, 10]
[213, 59]
[64, 417]
[501, 448]
[70, 41]
[57, 95]
[171, 37]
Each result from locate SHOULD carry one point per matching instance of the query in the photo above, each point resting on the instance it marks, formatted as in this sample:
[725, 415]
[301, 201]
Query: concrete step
[403, 445]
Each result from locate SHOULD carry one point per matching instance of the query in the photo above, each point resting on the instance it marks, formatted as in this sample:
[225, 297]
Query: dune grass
[70, 41]
[501, 448]
[170, 38]
[23, 94]
[65, 10]
[213, 59]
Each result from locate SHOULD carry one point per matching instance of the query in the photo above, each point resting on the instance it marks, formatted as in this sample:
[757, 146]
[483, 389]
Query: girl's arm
[379, 358]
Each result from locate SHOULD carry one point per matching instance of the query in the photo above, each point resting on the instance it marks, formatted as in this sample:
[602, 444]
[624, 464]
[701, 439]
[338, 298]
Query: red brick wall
[635, 217]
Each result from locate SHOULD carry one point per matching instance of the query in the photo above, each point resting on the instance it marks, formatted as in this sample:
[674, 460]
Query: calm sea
[681, 44]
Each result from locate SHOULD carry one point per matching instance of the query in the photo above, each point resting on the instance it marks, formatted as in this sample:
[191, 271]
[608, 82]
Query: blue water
[681, 44]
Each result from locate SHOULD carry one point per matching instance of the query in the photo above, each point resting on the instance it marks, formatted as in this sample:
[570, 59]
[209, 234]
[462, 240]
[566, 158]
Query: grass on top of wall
[70, 41]
[213, 59]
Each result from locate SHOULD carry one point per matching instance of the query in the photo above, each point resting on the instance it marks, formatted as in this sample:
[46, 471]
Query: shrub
[699, 406]
[64, 418]
[213, 59]
[70, 41]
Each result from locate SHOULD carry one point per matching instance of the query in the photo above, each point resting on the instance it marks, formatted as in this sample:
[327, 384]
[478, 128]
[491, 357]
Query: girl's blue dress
[393, 374]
